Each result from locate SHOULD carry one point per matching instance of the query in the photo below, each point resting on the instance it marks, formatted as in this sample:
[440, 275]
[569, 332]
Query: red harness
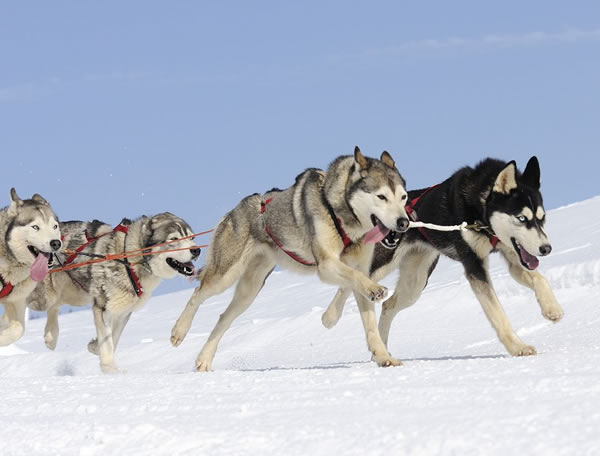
[336, 221]
[7, 288]
[410, 210]
[133, 277]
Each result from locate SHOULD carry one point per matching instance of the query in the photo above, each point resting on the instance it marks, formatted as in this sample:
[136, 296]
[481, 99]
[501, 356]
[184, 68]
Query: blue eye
[522, 218]
[35, 227]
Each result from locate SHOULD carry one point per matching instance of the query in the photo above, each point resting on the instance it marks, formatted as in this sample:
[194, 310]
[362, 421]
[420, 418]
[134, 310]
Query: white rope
[432, 226]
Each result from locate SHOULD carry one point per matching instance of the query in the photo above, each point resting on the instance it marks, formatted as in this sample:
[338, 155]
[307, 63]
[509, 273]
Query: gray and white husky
[119, 287]
[509, 207]
[325, 223]
[29, 235]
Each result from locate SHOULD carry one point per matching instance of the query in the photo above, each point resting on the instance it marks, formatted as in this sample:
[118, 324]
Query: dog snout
[195, 253]
[402, 224]
[545, 249]
[55, 244]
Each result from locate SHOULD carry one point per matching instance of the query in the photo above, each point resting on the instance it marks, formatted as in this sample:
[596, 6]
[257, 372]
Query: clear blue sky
[113, 109]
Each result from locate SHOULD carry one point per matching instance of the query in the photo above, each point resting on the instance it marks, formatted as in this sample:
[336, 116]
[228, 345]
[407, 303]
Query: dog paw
[554, 314]
[524, 350]
[388, 361]
[376, 292]
[178, 333]
[330, 318]
[93, 347]
[50, 341]
[111, 369]
[203, 365]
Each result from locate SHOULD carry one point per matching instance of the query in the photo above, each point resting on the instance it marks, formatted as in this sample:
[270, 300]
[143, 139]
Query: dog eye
[522, 218]
[35, 227]
[404, 197]
[173, 239]
[55, 227]
[382, 197]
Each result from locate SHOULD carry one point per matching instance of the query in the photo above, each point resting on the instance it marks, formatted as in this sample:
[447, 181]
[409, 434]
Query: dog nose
[55, 244]
[545, 249]
[402, 224]
[195, 253]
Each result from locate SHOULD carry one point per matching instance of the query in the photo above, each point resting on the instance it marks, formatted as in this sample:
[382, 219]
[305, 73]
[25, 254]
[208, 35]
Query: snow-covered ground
[285, 385]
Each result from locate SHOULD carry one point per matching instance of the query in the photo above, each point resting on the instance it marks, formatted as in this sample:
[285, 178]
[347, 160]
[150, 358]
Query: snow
[283, 384]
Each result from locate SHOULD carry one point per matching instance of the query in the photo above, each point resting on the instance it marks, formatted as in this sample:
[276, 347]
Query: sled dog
[115, 288]
[325, 223]
[29, 235]
[508, 207]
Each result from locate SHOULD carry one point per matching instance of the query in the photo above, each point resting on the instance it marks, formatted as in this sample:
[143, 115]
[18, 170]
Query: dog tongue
[39, 268]
[531, 261]
[376, 234]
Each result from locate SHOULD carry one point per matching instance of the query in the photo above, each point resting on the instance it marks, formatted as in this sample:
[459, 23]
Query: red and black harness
[477, 226]
[133, 277]
[7, 288]
[336, 221]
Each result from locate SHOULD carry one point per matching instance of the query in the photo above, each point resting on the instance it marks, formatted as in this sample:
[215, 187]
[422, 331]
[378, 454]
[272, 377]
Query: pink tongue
[529, 259]
[39, 268]
[376, 234]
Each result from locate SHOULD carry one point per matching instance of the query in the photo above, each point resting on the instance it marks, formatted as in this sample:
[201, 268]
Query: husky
[29, 236]
[115, 288]
[507, 208]
[325, 223]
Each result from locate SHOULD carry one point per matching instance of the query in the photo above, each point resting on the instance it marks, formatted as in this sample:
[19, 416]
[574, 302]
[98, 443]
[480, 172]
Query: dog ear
[507, 179]
[40, 199]
[15, 202]
[387, 159]
[531, 175]
[361, 161]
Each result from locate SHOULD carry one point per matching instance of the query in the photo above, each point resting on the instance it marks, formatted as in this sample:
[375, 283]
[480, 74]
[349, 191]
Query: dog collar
[7, 288]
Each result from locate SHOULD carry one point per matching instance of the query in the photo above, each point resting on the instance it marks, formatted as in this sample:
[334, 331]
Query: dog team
[348, 224]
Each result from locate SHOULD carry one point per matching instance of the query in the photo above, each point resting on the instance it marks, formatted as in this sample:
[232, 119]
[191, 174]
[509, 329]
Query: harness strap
[133, 277]
[89, 240]
[410, 210]
[336, 221]
[263, 206]
[7, 288]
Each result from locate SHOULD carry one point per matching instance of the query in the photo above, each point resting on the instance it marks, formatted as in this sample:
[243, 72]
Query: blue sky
[113, 109]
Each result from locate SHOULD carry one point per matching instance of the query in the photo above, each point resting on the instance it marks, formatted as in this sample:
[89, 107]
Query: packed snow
[283, 384]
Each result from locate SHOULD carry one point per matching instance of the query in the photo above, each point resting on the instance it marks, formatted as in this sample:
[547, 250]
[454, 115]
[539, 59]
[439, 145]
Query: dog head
[378, 196]
[33, 234]
[168, 227]
[516, 212]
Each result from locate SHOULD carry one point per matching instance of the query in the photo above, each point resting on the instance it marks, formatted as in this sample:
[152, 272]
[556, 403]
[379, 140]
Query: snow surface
[283, 384]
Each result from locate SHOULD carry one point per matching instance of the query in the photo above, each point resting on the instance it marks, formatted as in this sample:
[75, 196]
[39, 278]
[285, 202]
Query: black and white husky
[508, 207]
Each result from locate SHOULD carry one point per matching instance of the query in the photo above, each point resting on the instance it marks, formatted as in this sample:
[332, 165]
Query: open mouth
[377, 233]
[392, 240]
[186, 269]
[43, 260]
[528, 260]
[37, 252]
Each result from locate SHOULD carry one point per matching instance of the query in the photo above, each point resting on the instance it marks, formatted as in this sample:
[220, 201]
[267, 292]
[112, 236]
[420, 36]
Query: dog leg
[535, 281]
[415, 269]
[213, 281]
[15, 317]
[376, 346]
[495, 313]
[118, 326]
[246, 290]
[51, 329]
[104, 341]
[333, 313]
[332, 270]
